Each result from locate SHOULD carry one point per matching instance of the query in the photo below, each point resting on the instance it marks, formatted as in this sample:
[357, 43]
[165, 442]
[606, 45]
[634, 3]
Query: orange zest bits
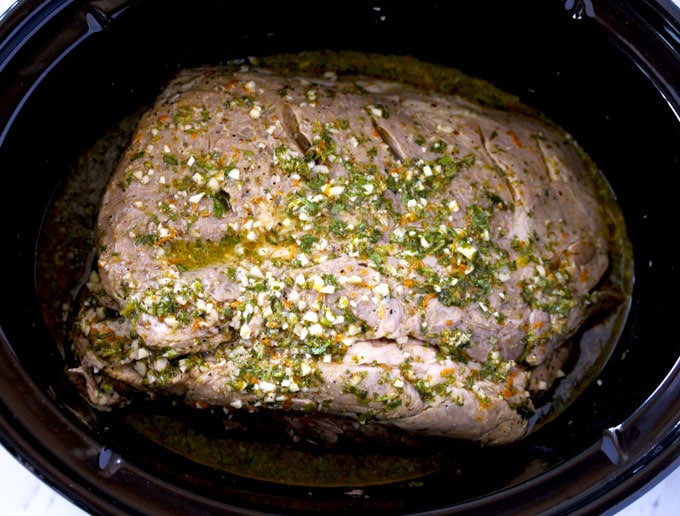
[509, 390]
[515, 139]
[427, 298]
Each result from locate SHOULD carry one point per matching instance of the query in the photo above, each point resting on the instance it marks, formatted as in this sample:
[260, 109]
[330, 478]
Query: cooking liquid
[248, 446]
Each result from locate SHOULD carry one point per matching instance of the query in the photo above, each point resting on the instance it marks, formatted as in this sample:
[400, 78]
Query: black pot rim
[36, 434]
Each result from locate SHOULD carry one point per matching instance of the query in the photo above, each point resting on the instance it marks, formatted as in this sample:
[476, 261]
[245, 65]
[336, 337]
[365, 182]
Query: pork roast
[341, 244]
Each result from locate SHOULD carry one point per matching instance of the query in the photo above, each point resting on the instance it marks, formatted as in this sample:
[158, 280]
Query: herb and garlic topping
[318, 241]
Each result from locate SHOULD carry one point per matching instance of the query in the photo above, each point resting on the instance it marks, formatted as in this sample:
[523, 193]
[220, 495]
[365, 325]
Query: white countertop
[24, 494]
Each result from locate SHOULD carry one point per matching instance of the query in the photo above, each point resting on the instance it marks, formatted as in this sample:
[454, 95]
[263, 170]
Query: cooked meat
[341, 244]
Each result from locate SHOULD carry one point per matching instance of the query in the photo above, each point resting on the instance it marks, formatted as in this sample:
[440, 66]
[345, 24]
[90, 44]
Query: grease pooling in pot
[427, 254]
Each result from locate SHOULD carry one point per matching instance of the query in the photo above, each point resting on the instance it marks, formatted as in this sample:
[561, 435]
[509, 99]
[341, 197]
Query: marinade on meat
[343, 244]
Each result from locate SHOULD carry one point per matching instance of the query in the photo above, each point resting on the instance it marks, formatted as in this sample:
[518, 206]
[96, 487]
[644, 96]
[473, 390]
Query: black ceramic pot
[607, 71]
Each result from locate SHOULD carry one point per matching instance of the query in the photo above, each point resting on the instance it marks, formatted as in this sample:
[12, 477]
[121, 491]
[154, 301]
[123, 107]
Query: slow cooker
[605, 70]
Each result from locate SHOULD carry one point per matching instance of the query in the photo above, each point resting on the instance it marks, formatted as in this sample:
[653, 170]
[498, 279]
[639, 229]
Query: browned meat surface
[344, 245]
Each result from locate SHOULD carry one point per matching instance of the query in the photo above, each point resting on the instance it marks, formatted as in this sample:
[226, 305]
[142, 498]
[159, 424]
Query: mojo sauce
[66, 253]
